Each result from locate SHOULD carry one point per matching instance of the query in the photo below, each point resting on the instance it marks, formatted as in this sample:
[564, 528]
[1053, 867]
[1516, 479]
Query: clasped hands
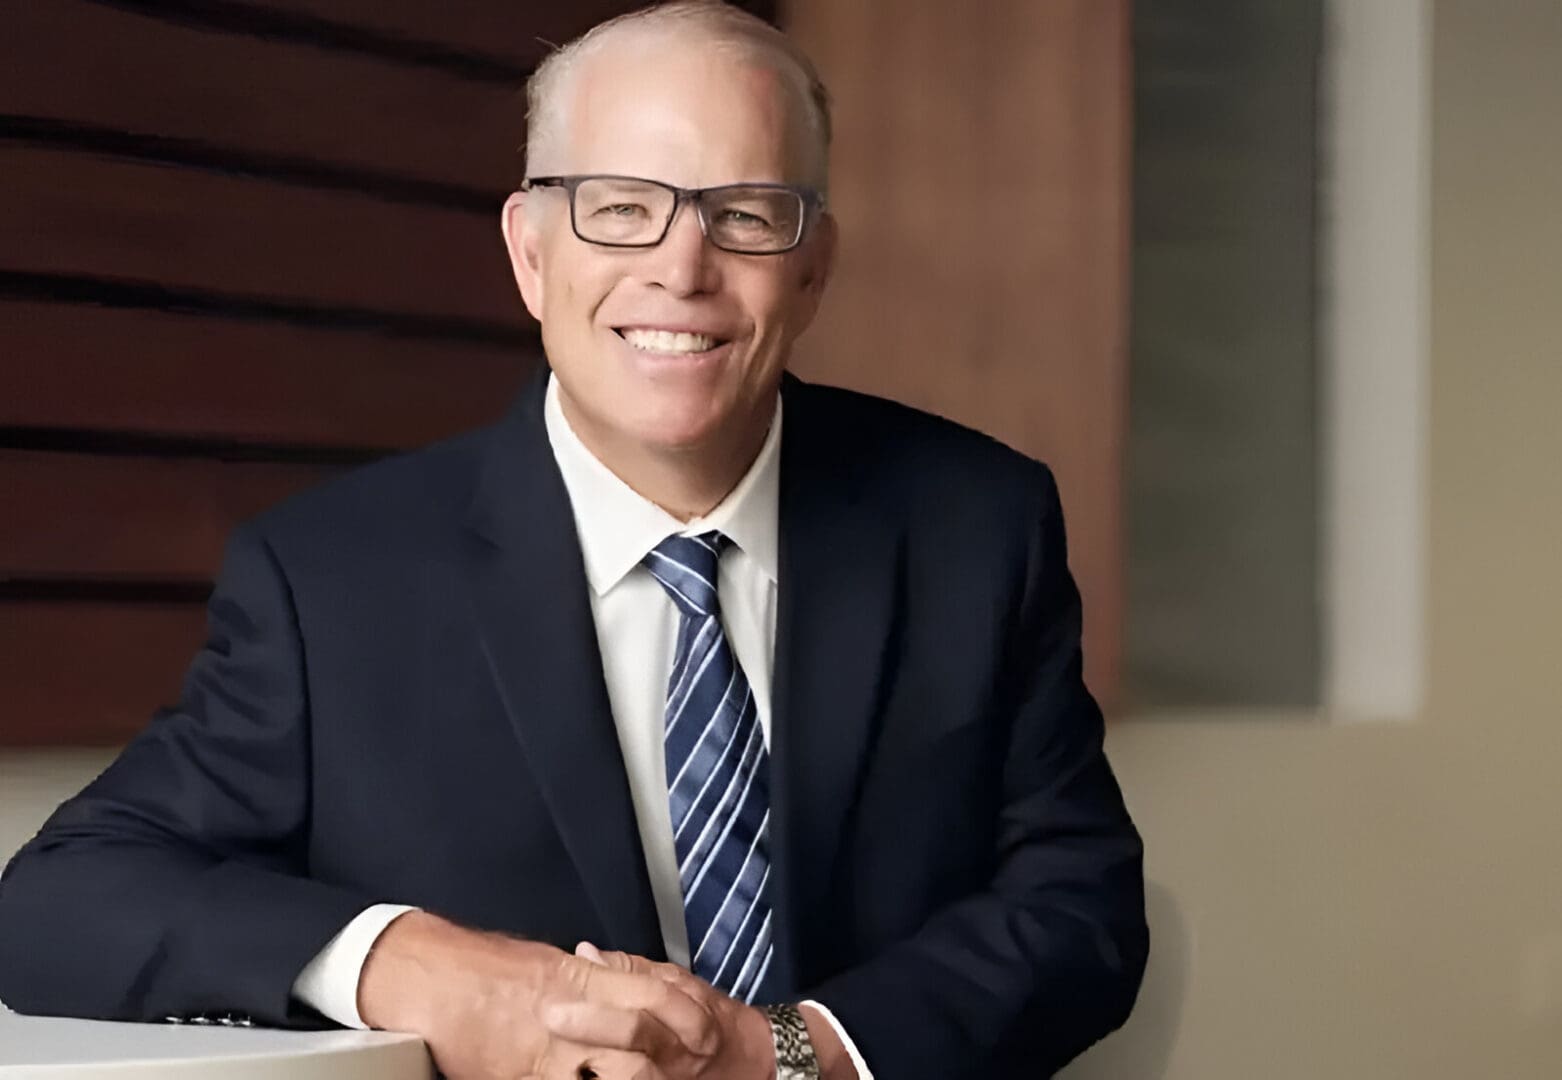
[489, 1006]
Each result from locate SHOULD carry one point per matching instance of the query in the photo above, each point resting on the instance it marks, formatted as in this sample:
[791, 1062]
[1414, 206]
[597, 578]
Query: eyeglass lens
[629, 212]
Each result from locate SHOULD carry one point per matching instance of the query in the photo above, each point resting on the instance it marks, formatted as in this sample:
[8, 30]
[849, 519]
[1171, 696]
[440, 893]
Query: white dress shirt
[637, 630]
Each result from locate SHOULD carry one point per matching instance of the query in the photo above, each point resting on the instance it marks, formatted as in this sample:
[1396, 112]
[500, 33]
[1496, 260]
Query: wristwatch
[795, 1059]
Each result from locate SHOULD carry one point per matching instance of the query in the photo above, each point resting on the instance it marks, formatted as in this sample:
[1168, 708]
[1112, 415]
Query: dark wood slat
[106, 591]
[522, 32]
[77, 516]
[79, 214]
[151, 372]
[85, 674]
[273, 22]
[102, 66]
[123, 293]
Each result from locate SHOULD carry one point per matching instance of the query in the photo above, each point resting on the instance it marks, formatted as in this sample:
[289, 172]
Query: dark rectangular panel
[1223, 454]
[85, 517]
[518, 31]
[97, 65]
[78, 213]
[254, 382]
[85, 674]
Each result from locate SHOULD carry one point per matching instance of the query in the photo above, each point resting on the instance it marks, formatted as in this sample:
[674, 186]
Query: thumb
[622, 961]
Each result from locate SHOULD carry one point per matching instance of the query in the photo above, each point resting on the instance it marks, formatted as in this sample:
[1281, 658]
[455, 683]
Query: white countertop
[54, 1048]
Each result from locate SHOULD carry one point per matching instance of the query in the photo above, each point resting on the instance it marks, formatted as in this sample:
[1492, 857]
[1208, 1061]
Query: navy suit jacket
[401, 699]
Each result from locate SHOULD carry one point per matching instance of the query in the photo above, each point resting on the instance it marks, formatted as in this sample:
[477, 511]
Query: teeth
[667, 341]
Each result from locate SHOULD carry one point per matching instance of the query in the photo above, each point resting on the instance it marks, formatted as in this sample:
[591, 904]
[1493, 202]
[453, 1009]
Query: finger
[615, 1065]
[623, 961]
[644, 988]
[587, 951]
[680, 977]
[682, 1010]
[589, 1023]
[612, 1065]
[574, 1061]
[684, 980]
[639, 965]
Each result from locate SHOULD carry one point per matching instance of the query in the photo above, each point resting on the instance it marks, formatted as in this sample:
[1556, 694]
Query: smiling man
[692, 721]
[683, 250]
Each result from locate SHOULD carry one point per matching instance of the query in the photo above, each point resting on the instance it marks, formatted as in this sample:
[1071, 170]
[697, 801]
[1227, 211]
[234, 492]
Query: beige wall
[1385, 901]
[1372, 901]
[33, 782]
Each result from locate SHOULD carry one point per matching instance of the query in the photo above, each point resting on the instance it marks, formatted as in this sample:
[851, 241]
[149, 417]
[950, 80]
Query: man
[685, 689]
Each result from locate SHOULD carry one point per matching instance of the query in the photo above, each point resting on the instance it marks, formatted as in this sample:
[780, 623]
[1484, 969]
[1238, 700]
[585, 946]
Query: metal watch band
[795, 1058]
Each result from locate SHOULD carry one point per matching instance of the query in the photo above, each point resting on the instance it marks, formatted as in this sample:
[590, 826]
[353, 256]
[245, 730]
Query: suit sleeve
[1048, 956]
[176, 882]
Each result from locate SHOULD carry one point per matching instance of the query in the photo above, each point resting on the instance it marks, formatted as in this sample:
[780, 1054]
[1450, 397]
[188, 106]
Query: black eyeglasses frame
[812, 199]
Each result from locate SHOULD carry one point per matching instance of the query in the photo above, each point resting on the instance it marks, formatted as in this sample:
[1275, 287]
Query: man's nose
[681, 263]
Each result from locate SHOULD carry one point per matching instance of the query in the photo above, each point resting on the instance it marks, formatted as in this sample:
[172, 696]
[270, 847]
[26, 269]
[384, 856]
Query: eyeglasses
[628, 212]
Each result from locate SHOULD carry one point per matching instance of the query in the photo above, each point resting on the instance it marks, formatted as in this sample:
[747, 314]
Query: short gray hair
[719, 24]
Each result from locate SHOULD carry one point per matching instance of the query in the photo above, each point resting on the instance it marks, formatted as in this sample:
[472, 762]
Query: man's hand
[733, 1040]
[478, 999]
[683, 1026]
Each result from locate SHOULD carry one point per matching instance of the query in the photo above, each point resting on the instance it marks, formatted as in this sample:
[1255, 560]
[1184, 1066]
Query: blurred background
[1275, 285]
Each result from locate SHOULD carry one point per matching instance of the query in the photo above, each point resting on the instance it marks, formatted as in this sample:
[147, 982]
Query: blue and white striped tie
[717, 778]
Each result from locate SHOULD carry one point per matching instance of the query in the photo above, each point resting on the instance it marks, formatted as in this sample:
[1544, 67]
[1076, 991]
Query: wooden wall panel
[134, 73]
[980, 174]
[252, 382]
[191, 228]
[102, 518]
[241, 244]
[90, 673]
[520, 32]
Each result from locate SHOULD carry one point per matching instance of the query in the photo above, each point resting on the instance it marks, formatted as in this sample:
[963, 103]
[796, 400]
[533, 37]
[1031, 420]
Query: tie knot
[686, 568]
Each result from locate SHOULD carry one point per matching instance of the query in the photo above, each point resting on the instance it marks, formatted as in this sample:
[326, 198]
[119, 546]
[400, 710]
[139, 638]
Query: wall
[1370, 901]
[980, 175]
[217, 224]
[1385, 901]
[242, 243]
[1221, 479]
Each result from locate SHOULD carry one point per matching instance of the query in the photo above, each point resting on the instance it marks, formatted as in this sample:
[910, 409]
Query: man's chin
[680, 437]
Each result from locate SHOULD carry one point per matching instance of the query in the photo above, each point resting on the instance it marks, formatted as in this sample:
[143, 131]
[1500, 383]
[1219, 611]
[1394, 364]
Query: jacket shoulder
[893, 443]
[403, 495]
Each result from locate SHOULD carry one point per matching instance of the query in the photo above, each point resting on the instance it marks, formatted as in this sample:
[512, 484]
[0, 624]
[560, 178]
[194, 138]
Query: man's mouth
[669, 341]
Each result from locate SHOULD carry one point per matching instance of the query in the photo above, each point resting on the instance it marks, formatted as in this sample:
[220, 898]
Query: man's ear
[821, 260]
[522, 239]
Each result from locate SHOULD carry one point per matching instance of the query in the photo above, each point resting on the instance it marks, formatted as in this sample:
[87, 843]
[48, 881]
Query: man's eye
[621, 210]
[745, 219]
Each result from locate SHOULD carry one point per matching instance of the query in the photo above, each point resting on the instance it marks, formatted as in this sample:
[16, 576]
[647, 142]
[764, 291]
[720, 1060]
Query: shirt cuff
[846, 1040]
[329, 983]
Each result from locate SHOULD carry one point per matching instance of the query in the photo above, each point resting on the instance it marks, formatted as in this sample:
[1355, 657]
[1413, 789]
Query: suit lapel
[840, 564]
[529, 596]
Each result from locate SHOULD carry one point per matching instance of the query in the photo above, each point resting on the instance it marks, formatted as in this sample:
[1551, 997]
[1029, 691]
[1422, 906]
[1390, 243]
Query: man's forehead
[687, 103]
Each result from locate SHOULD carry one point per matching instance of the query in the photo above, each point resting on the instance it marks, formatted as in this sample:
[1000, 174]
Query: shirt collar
[617, 526]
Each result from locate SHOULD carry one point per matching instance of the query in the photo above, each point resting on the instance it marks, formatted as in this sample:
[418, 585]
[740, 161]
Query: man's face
[692, 117]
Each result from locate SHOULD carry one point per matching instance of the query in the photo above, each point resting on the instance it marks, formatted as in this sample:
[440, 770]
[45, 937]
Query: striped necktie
[717, 778]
